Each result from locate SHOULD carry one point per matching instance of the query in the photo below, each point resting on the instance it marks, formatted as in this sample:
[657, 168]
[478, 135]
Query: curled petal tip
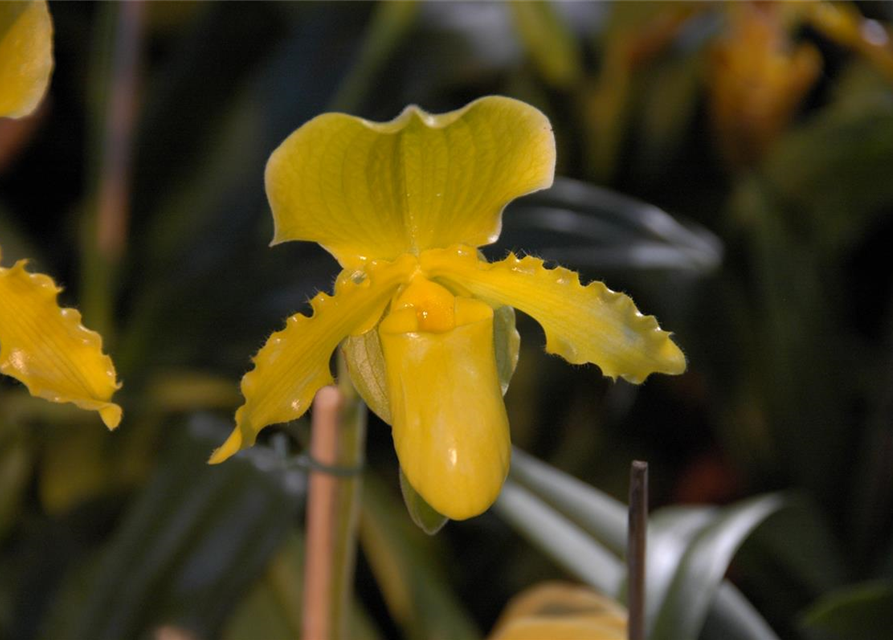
[675, 359]
[228, 449]
[111, 416]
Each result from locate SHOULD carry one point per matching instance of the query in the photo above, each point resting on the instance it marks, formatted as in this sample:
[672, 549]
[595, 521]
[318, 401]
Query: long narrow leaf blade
[405, 563]
[563, 541]
[539, 500]
[670, 534]
[862, 611]
[733, 617]
[194, 539]
[598, 514]
[702, 567]
[590, 227]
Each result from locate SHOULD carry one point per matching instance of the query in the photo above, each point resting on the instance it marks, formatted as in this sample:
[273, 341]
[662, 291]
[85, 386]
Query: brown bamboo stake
[117, 153]
[117, 66]
[321, 506]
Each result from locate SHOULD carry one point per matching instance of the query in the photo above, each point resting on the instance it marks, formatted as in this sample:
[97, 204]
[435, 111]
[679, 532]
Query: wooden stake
[635, 548]
[321, 506]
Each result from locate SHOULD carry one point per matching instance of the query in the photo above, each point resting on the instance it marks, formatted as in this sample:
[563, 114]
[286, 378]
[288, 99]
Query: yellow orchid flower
[402, 206]
[561, 611]
[26, 56]
[758, 78]
[49, 350]
[42, 345]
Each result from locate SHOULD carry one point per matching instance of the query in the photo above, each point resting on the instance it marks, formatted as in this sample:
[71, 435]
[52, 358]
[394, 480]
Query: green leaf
[404, 562]
[670, 534]
[688, 548]
[549, 42]
[856, 612]
[586, 227]
[668, 109]
[697, 568]
[272, 609]
[190, 543]
[16, 461]
[596, 513]
[733, 617]
[13, 243]
[559, 538]
[423, 514]
[798, 554]
[389, 25]
[834, 171]
[634, 17]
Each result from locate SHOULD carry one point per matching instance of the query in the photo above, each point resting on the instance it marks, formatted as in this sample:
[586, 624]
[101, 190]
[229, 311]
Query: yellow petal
[558, 610]
[49, 350]
[590, 324]
[26, 56]
[294, 363]
[449, 422]
[757, 80]
[573, 628]
[377, 190]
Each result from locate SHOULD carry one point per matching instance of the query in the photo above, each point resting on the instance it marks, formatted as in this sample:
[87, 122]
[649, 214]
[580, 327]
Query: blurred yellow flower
[26, 56]
[49, 350]
[403, 205]
[42, 345]
[760, 73]
[758, 79]
[560, 611]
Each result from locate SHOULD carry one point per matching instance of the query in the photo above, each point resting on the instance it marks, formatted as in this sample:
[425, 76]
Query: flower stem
[115, 70]
[338, 440]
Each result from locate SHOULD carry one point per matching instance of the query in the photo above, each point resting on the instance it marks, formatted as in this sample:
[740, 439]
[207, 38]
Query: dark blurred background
[728, 165]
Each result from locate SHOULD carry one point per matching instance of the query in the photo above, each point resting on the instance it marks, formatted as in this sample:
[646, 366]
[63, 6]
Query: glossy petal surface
[294, 363]
[377, 190]
[449, 422]
[49, 350]
[26, 56]
[583, 324]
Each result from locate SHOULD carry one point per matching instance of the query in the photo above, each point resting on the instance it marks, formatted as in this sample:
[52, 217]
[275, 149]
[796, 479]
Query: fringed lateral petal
[583, 324]
[49, 350]
[294, 363]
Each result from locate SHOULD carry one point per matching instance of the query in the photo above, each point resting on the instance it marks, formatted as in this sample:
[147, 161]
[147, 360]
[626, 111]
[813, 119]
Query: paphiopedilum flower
[26, 56]
[561, 611]
[403, 206]
[48, 349]
[758, 78]
[41, 344]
